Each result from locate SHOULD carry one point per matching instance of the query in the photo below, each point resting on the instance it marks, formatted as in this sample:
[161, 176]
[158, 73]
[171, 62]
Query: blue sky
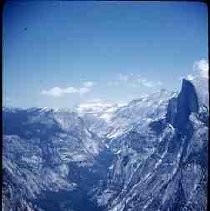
[58, 54]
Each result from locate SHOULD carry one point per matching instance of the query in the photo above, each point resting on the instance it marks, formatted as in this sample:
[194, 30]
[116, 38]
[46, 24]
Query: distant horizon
[96, 101]
[61, 54]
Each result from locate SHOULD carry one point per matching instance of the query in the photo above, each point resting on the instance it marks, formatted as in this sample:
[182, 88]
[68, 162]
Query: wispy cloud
[199, 78]
[133, 80]
[145, 82]
[58, 91]
[89, 84]
[200, 69]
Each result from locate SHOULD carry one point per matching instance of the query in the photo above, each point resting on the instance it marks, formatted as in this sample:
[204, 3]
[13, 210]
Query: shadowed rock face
[180, 108]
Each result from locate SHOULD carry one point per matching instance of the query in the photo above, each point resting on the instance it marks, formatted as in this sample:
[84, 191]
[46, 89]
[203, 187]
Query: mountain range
[149, 154]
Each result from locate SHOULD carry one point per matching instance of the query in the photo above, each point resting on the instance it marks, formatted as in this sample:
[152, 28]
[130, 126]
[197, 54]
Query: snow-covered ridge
[100, 109]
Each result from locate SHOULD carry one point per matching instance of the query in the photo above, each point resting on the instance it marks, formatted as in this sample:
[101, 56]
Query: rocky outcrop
[162, 165]
[180, 108]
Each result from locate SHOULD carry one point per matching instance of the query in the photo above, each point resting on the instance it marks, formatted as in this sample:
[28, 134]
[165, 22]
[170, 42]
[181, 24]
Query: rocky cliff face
[180, 108]
[161, 165]
[39, 149]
